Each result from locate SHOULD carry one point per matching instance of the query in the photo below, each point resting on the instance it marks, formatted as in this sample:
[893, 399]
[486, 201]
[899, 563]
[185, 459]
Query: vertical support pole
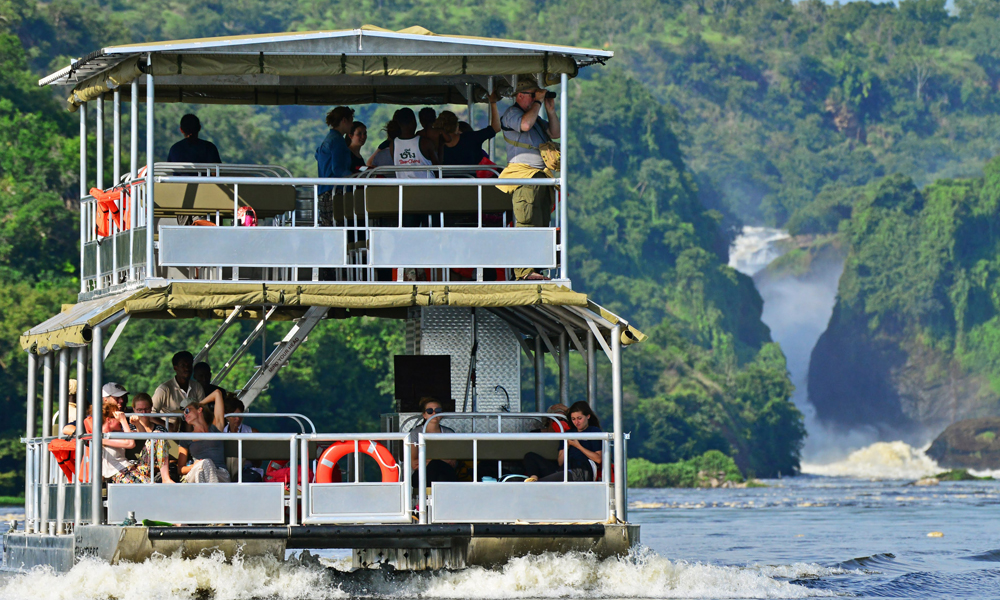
[306, 464]
[81, 411]
[489, 89]
[563, 150]
[83, 189]
[133, 134]
[616, 396]
[100, 179]
[96, 446]
[422, 478]
[46, 432]
[472, 104]
[133, 164]
[405, 473]
[591, 370]
[150, 97]
[29, 432]
[100, 142]
[117, 133]
[564, 368]
[293, 482]
[63, 408]
[539, 375]
[116, 171]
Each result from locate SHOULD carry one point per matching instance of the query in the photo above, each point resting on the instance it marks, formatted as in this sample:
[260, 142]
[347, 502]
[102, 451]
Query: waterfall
[797, 309]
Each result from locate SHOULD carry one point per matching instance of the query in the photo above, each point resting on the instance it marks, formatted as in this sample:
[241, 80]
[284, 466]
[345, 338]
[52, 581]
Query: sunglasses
[433, 411]
[188, 410]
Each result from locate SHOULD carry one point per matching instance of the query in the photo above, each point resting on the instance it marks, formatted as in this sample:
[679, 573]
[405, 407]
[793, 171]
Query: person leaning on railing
[333, 158]
[530, 155]
[208, 456]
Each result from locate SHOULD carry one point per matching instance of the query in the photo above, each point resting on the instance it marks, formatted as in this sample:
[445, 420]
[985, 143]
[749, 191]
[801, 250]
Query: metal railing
[116, 253]
[351, 501]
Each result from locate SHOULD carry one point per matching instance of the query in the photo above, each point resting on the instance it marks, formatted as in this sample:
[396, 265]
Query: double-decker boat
[392, 251]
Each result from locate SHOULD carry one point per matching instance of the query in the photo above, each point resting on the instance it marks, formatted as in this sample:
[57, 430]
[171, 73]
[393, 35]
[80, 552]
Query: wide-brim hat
[526, 83]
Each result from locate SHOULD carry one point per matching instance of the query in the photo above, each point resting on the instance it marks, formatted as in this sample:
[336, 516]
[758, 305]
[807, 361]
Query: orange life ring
[328, 460]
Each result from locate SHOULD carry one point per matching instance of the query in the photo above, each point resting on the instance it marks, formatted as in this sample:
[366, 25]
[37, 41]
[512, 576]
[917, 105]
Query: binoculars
[550, 94]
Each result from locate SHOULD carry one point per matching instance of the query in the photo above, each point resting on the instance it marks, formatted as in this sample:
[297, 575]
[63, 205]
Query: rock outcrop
[969, 444]
[912, 343]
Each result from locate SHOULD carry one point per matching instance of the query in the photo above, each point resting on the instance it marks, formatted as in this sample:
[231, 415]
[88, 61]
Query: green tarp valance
[73, 326]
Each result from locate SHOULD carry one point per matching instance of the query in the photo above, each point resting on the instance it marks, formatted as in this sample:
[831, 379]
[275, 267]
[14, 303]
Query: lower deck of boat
[405, 547]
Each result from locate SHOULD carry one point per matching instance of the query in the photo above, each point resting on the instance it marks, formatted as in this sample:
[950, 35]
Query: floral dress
[138, 471]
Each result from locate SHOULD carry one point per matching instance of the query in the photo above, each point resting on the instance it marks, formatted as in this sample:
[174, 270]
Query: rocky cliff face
[913, 342]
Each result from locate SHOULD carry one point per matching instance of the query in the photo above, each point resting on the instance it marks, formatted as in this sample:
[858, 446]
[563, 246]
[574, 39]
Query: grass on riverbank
[711, 469]
[11, 500]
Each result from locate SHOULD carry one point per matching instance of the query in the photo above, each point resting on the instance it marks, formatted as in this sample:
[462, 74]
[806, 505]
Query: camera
[549, 94]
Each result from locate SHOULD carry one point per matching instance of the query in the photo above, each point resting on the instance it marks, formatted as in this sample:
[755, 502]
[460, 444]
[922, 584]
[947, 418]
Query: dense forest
[918, 308]
[713, 113]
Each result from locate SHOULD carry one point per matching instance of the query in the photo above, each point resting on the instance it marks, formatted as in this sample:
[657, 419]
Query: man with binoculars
[530, 154]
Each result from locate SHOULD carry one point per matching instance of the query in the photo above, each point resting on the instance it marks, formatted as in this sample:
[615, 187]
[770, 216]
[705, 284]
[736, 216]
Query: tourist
[409, 149]
[192, 149]
[113, 460]
[207, 457]
[585, 457]
[383, 156]
[333, 158]
[427, 116]
[171, 394]
[202, 373]
[527, 135]
[466, 148]
[356, 140]
[437, 469]
[252, 473]
[140, 470]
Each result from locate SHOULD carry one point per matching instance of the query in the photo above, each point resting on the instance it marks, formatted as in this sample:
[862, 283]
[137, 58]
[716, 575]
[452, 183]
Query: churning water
[806, 536]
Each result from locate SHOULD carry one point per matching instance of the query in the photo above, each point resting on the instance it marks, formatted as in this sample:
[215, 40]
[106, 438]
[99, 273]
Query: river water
[808, 536]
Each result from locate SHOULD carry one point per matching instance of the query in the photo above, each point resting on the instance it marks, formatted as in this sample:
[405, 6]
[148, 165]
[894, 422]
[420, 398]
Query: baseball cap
[189, 402]
[115, 390]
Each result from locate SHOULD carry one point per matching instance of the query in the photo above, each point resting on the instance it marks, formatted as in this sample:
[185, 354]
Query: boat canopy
[352, 66]
[527, 308]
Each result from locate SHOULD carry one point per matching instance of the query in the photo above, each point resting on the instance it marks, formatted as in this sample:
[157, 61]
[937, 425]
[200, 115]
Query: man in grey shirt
[525, 131]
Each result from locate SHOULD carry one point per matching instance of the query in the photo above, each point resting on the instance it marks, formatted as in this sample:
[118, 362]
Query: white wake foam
[644, 574]
[641, 575]
[168, 577]
[881, 460]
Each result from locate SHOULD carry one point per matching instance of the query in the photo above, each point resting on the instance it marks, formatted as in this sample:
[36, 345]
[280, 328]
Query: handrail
[354, 181]
[220, 167]
[488, 415]
[294, 416]
[188, 435]
[465, 437]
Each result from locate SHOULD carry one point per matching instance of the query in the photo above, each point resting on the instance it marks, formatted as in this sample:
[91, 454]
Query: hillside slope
[914, 341]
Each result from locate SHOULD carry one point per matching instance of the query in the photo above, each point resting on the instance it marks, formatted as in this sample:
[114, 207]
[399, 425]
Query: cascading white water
[797, 309]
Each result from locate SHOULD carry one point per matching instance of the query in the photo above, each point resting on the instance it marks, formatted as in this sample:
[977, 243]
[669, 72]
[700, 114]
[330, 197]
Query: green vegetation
[700, 471]
[959, 475]
[713, 112]
[921, 288]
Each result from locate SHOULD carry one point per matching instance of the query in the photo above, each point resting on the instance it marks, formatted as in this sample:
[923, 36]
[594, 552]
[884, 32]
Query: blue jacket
[333, 158]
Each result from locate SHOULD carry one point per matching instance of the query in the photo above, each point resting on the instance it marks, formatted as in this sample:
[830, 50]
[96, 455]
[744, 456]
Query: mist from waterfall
[797, 308]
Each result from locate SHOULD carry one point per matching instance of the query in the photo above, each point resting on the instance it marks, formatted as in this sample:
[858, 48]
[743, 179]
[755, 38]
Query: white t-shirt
[407, 153]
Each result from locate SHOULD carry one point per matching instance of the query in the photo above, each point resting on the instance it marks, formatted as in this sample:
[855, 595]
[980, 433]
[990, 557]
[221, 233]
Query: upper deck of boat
[454, 228]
